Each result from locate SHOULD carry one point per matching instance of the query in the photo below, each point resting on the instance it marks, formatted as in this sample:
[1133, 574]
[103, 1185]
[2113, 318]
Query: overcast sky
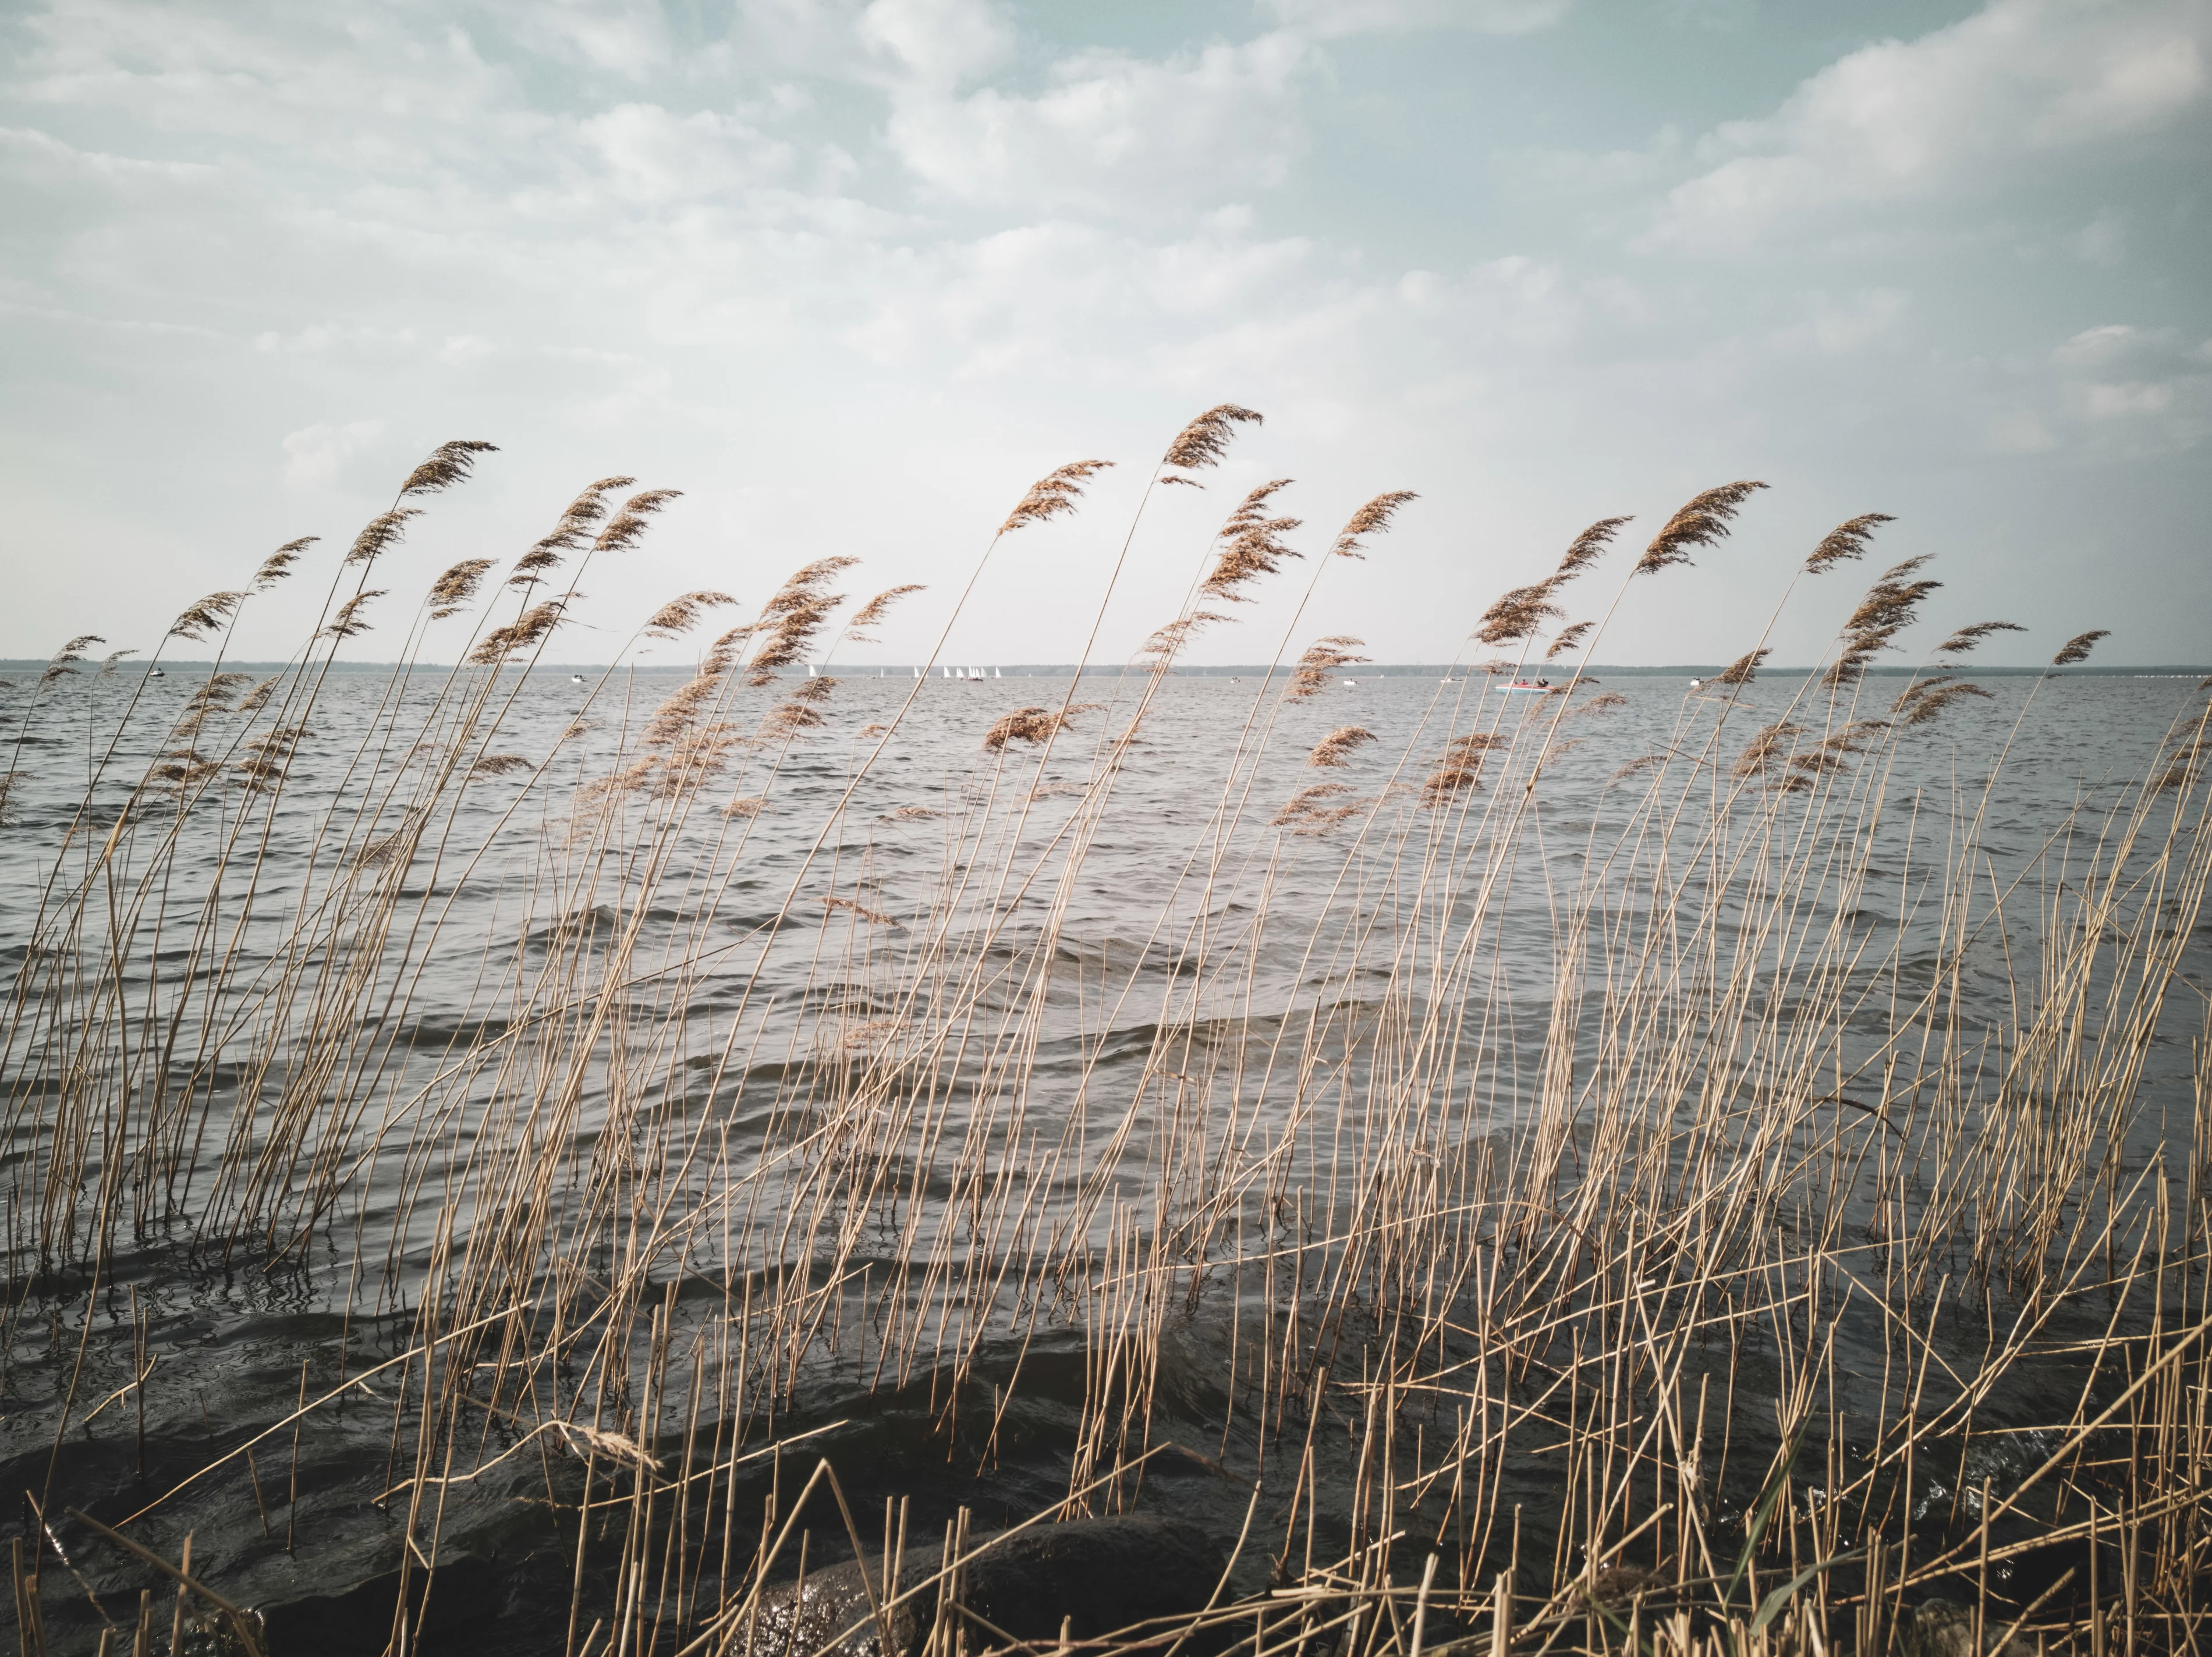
[852, 274]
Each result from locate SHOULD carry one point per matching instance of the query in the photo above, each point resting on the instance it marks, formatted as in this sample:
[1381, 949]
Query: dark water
[246, 1300]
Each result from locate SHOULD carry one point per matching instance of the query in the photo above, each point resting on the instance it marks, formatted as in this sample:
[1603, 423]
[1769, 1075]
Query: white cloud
[1982, 103]
[311, 456]
[1325, 18]
[942, 43]
[651, 153]
[1112, 132]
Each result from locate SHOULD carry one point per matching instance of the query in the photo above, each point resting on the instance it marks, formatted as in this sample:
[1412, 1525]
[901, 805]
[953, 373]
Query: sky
[851, 276]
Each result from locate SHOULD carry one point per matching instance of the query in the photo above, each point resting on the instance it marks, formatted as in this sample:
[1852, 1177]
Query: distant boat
[1541, 686]
[948, 672]
[1352, 684]
[576, 678]
[917, 673]
[997, 673]
[1697, 684]
[157, 674]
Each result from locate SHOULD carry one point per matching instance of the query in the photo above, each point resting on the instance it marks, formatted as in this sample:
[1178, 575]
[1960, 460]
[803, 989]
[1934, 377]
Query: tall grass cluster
[1711, 1204]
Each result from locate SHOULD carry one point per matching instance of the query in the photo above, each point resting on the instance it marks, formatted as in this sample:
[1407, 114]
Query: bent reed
[1700, 1199]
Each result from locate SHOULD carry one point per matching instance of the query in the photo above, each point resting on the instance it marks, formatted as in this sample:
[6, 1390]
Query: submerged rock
[1094, 1575]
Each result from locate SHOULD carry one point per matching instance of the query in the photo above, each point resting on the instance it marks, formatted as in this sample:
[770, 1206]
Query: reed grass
[633, 1157]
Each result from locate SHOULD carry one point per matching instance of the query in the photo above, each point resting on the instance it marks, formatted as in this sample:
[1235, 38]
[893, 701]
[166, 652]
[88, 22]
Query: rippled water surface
[1021, 1030]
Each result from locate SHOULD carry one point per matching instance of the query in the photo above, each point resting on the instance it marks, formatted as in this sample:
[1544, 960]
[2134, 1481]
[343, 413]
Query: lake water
[983, 1120]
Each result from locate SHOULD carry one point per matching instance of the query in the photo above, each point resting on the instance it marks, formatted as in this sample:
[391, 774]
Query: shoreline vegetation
[1757, 1197]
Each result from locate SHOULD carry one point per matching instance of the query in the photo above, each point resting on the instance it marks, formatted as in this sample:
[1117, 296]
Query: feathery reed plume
[1967, 637]
[1770, 746]
[1322, 658]
[871, 613]
[267, 757]
[1570, 639]
[456, 587]
[1604, 704]
[446, 465]
[530, 569]
[1458, 767]
[1891, 605]
[1518, 613]
[1203, 442]
[1251, 545]
[1335, 749]
[1523, 612]
[1159, 651]
[65, 660]
[1923, 702]
[1845, 543]
[107, 663]
[2077, 648]
[1702, 521]
[795, 615]
[381, 534]
[788, 719]
[203, 618]
[278, 564]
[1056, 492]
[525, 630]
[681, 614]
[568, 534]
[628, 527]
[910, 814]
[749, 805]
[1316, 810]
[209, 696]
[9, 782]
[680, 711]
[1744, 669]
[1029, 725]
[815, 689]
[347, 623]
[1587, 548]
[1373, 519]
[498, 765]
[722, 654]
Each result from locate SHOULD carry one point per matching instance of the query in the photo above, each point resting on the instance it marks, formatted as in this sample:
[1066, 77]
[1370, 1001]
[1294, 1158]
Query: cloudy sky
[852, 274]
